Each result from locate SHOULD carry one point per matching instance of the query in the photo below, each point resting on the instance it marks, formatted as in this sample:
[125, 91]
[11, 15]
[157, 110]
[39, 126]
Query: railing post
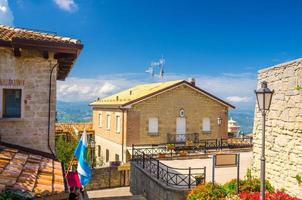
[143, 160]
[238, 171]
[205, 175]
[132, 151]
[157, 169]
[189, 177]
[167, 175]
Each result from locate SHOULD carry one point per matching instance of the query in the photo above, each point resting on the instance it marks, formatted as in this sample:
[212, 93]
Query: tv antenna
[157, 65]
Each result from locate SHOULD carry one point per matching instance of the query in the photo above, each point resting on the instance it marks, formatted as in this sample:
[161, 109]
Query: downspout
[49, 102]
[123, 134]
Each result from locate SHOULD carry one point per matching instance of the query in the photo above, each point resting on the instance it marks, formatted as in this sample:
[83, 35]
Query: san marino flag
[80, 153]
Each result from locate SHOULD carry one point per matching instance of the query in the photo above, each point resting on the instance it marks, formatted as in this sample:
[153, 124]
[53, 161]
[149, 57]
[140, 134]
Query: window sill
[12, 119]
[206, 132]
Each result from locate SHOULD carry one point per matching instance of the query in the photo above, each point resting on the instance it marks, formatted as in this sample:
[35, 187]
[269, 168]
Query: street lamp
[92, 145]
[264, 99]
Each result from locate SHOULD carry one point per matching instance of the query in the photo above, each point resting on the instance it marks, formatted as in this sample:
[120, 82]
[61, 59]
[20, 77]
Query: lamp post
[264, 98]
[219, 121]
[92, 145]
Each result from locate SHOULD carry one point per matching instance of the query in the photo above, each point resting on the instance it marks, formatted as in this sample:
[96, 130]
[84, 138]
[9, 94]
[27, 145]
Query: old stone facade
[30, 73]
[114, 139]
[284, 127]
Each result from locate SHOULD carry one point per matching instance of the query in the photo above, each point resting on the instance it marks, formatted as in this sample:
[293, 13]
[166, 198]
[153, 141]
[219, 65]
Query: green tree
[65, 150]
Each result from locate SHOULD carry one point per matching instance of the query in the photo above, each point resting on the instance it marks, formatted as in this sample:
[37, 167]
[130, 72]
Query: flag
[83, 166]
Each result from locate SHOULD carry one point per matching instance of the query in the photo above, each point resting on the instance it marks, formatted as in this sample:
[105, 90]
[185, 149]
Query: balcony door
[180, 129]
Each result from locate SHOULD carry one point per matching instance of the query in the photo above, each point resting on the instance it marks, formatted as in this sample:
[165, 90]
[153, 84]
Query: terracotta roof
[68, 127]
[65, 49]
[31, 173]
[8, 33]
[134, 93]
[141, 92]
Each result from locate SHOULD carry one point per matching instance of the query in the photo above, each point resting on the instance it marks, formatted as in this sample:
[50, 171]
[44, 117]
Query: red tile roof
[8, 33]
[35, 174]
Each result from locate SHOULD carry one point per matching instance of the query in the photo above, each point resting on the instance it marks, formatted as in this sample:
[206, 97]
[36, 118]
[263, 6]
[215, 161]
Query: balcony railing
[182, 138]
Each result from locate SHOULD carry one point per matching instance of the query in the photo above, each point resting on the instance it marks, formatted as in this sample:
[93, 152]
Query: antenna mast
[157, 64]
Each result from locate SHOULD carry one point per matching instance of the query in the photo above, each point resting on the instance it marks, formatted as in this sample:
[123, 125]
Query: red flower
[268, 196]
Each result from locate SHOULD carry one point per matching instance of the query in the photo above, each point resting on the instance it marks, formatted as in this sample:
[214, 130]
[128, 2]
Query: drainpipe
[49, 102]
[123, 134]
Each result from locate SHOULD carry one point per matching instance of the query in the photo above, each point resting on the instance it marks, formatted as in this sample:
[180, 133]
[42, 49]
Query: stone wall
[283, 130]
[33, 71]
[166, 107]
[108, 177]
[141, 183]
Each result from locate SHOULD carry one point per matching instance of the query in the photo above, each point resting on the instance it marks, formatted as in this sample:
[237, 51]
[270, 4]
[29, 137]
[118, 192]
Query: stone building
[26, 60]
[28, 107]
[157, 113]
[284, 127]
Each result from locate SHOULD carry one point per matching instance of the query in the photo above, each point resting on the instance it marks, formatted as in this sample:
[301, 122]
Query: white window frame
[100, 119]
[108, 121]
[206, 124]
[117, 123]
[22, 101]
[153, 128]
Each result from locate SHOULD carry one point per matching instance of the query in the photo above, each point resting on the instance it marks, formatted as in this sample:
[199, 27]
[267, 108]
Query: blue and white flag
[80, 153]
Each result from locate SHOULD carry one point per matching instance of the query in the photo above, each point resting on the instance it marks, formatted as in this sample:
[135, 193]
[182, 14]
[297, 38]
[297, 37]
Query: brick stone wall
[166, 108]
[283, 130]
[31, 130]
[108, 177]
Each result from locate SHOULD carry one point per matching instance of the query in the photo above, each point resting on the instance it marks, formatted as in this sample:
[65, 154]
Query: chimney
[191, 80]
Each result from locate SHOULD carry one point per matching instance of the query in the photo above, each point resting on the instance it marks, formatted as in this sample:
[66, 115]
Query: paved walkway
[114, 194]
[222, 174]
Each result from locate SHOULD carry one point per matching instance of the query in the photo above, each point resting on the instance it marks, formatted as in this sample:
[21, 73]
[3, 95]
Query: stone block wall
[284, 127]
[166, 107]
[141, 183]
[31, 71]
[108, 177]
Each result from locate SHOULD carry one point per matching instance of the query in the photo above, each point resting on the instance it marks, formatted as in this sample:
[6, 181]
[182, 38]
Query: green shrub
[207, 192]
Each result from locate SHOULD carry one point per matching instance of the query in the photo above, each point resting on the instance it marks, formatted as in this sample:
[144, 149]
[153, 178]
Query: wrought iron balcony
[182, 138]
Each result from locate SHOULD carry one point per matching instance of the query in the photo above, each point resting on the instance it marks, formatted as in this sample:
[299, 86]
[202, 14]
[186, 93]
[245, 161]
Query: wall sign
[11, 82]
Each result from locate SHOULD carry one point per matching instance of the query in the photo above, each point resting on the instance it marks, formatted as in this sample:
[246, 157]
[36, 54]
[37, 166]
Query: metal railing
[171, 176]
[182, 138]
[200, 146]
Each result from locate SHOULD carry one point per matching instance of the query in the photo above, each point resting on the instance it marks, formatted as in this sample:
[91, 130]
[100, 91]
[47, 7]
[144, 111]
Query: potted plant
[183, 153]
[170, 147]
[161, 155]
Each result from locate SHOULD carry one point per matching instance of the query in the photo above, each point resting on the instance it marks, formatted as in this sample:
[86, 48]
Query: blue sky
[221, 43]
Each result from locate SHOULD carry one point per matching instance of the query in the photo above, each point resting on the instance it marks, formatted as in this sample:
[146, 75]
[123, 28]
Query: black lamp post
[264, 99]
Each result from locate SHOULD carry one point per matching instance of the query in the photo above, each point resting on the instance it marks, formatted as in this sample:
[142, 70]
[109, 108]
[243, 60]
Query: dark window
[12, 103]
[107, 155]
[99, 150]
[117, 157]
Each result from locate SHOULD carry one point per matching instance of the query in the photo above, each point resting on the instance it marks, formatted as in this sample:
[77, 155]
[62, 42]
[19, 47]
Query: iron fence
[175, 177]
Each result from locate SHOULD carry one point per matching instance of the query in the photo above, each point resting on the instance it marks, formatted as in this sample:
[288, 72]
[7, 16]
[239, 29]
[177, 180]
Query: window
[153, 126]
[100, 119]
[107, 155]
[206, 124]
[118, 123]
[12, 103]
[117, 157]
[108, 122]
[99, 150]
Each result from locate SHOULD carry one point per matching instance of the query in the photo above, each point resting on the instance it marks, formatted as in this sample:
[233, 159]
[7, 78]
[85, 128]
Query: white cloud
[68, 5]
[238, 99]
[6, 15]
[237, 88]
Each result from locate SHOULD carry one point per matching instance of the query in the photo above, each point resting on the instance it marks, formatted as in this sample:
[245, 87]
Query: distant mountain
[73, 111]
[81, 112]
